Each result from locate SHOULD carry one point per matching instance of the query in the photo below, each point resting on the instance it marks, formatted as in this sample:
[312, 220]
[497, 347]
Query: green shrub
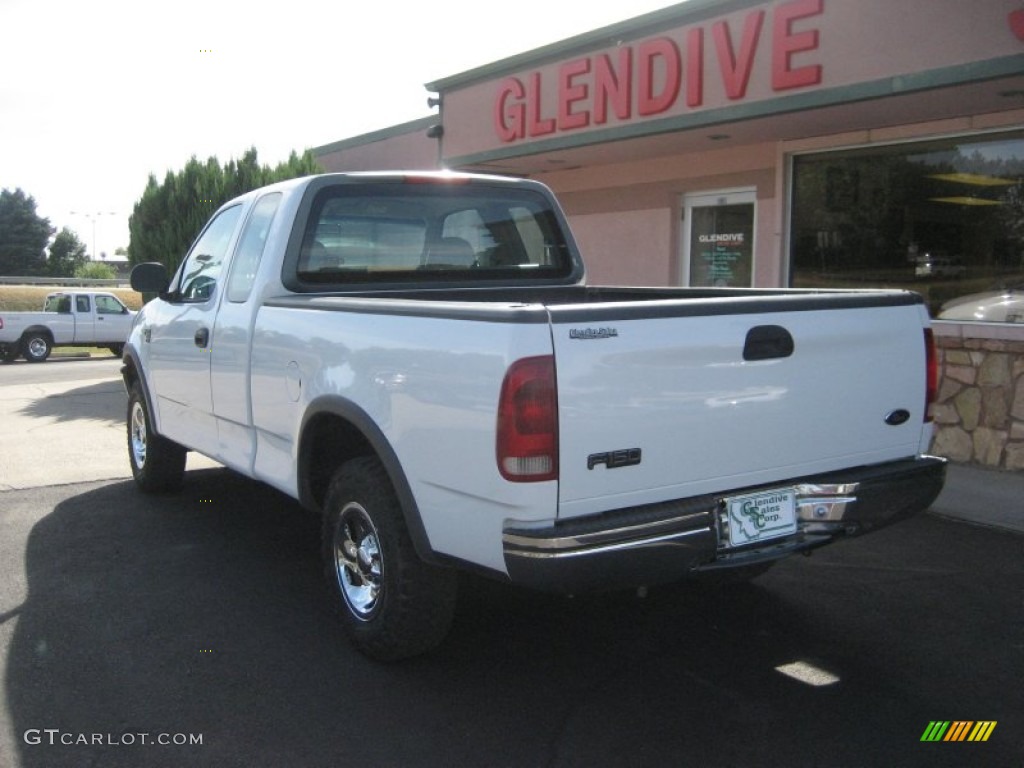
[96, 270]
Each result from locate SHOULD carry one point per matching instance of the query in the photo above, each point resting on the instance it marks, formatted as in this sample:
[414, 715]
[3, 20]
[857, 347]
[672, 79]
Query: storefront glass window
[944, 218]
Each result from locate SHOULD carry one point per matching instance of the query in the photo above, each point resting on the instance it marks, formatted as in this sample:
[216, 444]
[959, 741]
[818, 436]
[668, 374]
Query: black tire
[9, 354]
[391, 603]
[158, 464]
[36, 346]
[116, 349]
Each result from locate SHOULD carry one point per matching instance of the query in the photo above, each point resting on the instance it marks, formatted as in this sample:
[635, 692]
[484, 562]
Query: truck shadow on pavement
[104, 401]
[205, 612]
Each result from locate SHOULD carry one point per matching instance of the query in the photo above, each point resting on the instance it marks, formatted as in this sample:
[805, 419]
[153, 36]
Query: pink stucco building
[818, 143]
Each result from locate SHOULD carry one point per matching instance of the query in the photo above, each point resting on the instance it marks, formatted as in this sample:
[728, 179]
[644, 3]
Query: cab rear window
[417, 232]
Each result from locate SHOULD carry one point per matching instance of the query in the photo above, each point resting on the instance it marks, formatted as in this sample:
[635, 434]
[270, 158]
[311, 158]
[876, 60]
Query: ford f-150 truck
[70, 319]
[418, 359]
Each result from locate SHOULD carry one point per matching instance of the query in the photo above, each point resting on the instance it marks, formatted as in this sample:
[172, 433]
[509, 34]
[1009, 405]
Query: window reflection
[944, 218]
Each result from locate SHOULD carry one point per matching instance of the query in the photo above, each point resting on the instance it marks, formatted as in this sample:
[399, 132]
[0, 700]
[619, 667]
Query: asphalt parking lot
[127, 621]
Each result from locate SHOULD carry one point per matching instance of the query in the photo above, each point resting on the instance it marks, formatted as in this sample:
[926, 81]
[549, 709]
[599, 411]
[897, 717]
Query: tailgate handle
[767, 342]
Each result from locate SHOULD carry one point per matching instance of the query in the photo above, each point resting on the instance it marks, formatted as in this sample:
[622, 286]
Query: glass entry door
[718, 239]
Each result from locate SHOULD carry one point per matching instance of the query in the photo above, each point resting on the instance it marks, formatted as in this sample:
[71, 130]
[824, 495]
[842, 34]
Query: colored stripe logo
[958, 730]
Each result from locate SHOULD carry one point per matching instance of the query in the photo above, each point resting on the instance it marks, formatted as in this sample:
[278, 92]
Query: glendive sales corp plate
[761, 516]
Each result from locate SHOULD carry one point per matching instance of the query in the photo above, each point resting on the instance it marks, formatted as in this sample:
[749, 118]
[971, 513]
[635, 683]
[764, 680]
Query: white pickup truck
[69, 319]
[416, 357]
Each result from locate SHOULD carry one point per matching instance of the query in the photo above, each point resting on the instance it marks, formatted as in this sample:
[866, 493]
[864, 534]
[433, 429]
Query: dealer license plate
[761, 516]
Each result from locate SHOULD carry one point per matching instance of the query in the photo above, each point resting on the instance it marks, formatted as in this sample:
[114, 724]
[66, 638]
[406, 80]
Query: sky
[95, 96]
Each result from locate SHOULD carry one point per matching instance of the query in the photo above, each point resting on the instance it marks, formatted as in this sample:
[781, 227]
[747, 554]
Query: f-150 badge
[624, 457]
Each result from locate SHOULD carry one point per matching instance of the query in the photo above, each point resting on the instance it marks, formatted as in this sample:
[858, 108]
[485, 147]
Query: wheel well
[37, 330]
[128, 373]
[338, 431]
[328, 442]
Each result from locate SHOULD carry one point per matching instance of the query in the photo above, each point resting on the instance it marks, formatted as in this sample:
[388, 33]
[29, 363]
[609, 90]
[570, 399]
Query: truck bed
[711, 388]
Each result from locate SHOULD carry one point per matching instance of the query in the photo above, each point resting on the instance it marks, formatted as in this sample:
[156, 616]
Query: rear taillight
[1, 323]
[527, 444]
[932, 376]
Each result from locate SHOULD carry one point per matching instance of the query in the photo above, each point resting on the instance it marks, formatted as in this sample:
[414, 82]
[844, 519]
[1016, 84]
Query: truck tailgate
[668, 400]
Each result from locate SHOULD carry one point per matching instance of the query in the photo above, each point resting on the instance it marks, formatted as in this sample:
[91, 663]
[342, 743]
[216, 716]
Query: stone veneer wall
[979, 414]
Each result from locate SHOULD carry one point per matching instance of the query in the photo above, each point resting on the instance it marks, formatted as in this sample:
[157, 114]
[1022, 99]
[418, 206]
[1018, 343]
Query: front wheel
[9, 354]
[116, 349]
[158, 464]
[391, 603]
[36, 347]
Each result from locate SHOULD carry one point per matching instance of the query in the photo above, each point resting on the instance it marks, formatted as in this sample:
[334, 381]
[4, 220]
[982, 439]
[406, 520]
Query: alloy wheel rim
[37, 347]
[138, 435]
[358, 563]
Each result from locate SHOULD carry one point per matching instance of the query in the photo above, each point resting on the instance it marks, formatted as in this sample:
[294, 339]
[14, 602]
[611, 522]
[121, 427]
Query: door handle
[202, 337]
[767, 342]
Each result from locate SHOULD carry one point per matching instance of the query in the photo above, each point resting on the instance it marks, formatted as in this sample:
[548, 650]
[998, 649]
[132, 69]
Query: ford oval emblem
[897, 417]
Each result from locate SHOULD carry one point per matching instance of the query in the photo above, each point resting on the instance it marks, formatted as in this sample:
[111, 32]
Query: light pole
[92, 217]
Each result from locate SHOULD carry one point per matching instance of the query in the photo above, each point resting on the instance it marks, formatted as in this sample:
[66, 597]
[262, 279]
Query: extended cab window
[201, 270]
[429, 232]
[58, 303]
[250, 247]
[82, 304]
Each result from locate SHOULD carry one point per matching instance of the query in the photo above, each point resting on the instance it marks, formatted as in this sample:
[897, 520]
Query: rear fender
[352, 433]
[37, 329]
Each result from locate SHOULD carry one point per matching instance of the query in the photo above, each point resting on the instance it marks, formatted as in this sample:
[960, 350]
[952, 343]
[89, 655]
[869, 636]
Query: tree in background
[23, 235]
[169, 215]
[96, 270]
[67, 254]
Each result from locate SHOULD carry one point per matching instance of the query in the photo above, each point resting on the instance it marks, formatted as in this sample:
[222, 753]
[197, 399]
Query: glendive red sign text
[649, 78]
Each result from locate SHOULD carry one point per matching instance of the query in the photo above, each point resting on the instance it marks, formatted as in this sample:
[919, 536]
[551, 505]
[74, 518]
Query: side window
[202, 268]
[108, 305]
[82, 304]
[250, 247]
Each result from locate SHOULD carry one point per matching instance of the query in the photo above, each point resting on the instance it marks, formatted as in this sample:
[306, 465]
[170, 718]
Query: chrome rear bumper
[670, 540]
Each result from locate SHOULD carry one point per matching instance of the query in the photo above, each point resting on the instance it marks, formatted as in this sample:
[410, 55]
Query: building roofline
[420, 124]
[631, 29]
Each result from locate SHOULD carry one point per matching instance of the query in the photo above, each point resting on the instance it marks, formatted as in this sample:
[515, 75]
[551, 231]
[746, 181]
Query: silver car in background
[1004, 305]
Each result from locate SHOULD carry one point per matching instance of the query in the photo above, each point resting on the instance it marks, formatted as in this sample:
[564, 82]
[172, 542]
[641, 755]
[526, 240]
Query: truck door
[230, 369]
[85, 320]
[181, 338]
[113, 320]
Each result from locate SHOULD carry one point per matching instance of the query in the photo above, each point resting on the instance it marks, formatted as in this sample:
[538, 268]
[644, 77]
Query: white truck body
[68, 318]
[661, 431]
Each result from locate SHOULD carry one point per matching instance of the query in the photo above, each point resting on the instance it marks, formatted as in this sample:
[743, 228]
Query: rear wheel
[391, 603]
[158, 464]
[116, 349]
[36, 346]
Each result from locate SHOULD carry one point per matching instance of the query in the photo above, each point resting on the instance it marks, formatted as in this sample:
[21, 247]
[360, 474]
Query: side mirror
[150, 277]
